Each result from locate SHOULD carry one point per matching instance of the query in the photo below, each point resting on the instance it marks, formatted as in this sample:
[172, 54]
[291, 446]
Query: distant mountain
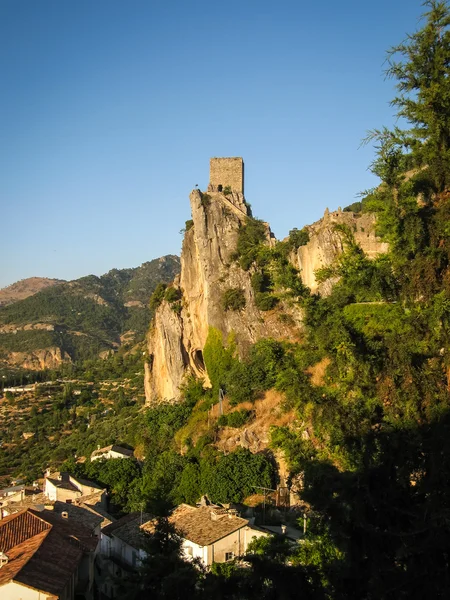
[24, 288]
[80, 319]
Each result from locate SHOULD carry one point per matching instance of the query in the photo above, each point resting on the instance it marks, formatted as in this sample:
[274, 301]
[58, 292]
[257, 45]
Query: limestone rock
[176, 341]
[37, 360]
[325, 245]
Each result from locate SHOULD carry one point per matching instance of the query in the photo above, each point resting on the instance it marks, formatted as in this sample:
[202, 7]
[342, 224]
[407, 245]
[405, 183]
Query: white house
[212, 533]
[67, 488]
[113, 451]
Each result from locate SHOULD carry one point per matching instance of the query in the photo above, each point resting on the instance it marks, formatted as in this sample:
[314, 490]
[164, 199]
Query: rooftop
[128, 529]
[113, 448]
[204, 525]
[43, 550]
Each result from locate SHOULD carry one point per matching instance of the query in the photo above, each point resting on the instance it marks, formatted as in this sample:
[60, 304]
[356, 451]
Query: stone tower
[226, 172]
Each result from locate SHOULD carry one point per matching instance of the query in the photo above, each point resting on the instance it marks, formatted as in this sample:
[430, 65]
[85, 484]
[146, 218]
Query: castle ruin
[226, 173]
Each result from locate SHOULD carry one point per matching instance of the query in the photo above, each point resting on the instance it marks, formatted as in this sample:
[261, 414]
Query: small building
[121, 550]
[45, 556]
[226, 173]
[113, 451]
[67, 488]
[211, 533]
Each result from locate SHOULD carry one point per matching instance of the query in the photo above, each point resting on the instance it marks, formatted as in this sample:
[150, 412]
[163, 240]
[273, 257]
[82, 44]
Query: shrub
[205, 200]
[234, 419]
[227, 190]
[251, 237]
[219, 359]
[265, 301]
[172, 294]
[261, 281]
[298, 237]
[157, 297]
[187, 226]
[233, 299]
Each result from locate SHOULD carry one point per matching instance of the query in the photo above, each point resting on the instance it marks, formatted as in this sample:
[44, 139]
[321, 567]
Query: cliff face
[325, 244]
[176, 341]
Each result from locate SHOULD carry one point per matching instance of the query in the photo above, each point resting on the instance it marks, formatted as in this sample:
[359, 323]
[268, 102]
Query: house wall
[15, 591]
[237, 543]
[109, 454]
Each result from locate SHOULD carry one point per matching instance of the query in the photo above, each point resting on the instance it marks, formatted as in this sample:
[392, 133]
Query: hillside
[80, 319]
[24, 288]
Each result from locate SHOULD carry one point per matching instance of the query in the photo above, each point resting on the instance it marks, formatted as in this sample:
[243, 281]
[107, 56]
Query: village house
[67, 488]
[113, 451]
[44, 555]
[121, 550]
[212, 533]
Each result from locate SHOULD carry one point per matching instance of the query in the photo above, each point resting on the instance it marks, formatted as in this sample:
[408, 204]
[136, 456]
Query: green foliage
[91, 306]
[236, 418]
[261, 281]
[232, 477]
[233, 299]
[355, 207]
[189, 224]
[297, 238]
[158, 296]
[251, 237]
[172, 294]
[218, 358]
[205, 200]
[265, 301]
[227, 190]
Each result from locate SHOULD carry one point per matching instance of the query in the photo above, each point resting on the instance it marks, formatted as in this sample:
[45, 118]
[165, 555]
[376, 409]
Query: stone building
[226, 173]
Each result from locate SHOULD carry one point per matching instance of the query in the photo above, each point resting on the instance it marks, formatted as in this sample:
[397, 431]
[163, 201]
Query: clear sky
[111, 109]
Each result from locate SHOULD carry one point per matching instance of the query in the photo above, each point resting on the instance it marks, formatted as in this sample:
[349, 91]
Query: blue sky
[110, 111]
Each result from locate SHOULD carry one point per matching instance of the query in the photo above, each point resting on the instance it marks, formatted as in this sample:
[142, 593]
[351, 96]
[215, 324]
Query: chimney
[3, 559]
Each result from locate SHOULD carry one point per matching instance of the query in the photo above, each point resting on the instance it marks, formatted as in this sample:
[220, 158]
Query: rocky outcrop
[325, 244]
[37, 360]
[176, 340]
[177, 337]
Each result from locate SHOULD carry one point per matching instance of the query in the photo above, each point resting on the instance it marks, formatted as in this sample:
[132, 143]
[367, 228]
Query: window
[189, 550]
[229, 556]
[219, 188]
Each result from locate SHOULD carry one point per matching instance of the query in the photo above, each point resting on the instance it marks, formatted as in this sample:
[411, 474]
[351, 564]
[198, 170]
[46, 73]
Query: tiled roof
[206, 524]
[87, 483]
[128, 529]
[79, 514]
[65, 485]
[46, 550]
[16, 529]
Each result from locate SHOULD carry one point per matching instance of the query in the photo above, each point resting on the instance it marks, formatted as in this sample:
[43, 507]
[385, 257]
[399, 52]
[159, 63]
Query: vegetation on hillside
[88, 315]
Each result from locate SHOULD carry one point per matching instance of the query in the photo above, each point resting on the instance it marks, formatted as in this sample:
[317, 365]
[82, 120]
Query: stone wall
[226, 172]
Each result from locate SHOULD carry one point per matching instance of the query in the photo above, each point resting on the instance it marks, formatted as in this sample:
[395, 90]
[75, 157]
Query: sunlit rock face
[176, 341]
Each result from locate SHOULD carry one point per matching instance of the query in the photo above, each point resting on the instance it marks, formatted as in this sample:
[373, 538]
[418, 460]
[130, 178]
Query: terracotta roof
[16, 529]
[206, 524]
[44, 550]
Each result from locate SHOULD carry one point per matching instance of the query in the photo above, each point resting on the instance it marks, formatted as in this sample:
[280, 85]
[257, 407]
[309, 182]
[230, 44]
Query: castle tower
[226, 173]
